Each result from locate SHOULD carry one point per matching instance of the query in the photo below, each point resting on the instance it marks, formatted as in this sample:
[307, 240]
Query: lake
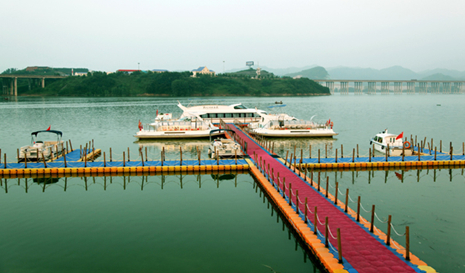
[134, 224]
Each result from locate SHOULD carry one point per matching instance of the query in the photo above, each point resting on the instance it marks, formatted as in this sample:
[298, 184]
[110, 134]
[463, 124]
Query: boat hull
[174, 134]
[294, 133]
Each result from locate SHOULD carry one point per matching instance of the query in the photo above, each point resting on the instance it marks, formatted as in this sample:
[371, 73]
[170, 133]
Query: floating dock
[360, 250]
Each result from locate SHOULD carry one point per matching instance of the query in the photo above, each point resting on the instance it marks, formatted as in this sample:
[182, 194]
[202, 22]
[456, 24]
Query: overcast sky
[183, 35]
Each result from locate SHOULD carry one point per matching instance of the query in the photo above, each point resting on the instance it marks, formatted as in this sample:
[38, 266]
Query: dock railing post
[388, 239]
[318, 182]
[4, 161]
[373, 150]
[372, 219]
[335, 158]
[129, 158]
[326, 232]
[111, 159]
[17, 155]
[124, 160]
[318, 156]
[71, 145]
[339, 245]
[310, 151]
[290, 194]
[440, 146]
[25, 160]
[451, 150]
[418, 150]
[435, 153]
[342, 150]
[306, 221]
[387, 153]
[407, 243]
[326, 150]
[353, 156]
[403, 152]
[357, 152]
[104, 160]
[45, 163]
[64, 158]
[358, 209]
[315, 221]
[369, 154]
[180, 156]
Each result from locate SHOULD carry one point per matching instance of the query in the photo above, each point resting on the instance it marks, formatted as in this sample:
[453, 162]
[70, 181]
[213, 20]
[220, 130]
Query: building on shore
[203, 70]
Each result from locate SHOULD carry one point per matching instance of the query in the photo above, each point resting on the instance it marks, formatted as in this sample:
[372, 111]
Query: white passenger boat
[41, 149]
[396, 144]
[187, 127]
[224, 147]
[283, 125]
[228, 113]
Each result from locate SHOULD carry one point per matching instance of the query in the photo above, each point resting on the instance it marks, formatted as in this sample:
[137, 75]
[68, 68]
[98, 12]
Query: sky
[180, 35]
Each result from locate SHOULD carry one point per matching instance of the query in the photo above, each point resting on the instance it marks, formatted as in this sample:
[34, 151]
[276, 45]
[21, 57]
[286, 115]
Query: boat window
[228, 115]
[240, 107]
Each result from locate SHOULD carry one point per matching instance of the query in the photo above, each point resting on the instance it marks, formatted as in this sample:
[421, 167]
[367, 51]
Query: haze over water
[91, 229]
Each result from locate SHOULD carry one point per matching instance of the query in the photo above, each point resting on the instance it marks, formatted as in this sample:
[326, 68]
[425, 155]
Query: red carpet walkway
[362, 250]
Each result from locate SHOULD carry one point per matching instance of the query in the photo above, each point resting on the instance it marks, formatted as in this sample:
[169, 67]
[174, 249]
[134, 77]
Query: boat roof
[47, 131]
[386, 135]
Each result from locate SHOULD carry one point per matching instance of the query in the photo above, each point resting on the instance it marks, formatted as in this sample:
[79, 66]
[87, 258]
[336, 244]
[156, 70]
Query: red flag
[157, 113]
[140, 126]
[401, 135]
[48, 129]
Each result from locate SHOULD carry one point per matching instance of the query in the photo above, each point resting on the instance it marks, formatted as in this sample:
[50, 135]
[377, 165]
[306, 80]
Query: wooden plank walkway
[362, 250]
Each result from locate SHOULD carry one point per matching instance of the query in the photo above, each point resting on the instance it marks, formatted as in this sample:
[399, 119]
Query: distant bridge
[14, 81]
[397, 87]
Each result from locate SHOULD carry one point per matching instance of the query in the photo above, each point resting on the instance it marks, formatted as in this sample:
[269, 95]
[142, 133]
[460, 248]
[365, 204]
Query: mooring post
[180, 156]
[372, 224]
[142, 161]
[358, 209]
[335, 196]
[71, 145]
[104, 160]
[403, 152]
[407, 243]
[290, 161]
[25, 160]
[353, 155]
[387, 153]
[318, 155]
[64, 158]
[335, 158]
[111, 159]
[435, 153]
[347, 200]
[326, 150]
[297, 201]
[373, 150]
[339, 245]
[4, 161]
[124, 160]
[418, 150]
[301, 155]
[327, 186]
[369, 154]
[342, 150]
[45, 163]
[357, 152]
[451, 150]
[17, 154]
[80, 154]
[318, 181]
[129, 159]
[145, 153]
[388, 239]
[440, 146]
[310, 151]
[287, 153]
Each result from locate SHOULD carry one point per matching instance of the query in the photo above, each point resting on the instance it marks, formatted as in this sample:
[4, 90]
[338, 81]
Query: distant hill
[393, 73]
[312, 73]
[438, 77]
[276, 71]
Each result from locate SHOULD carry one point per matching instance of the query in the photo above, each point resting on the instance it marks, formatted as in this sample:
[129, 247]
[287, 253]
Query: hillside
[100, 84]
[312, 73]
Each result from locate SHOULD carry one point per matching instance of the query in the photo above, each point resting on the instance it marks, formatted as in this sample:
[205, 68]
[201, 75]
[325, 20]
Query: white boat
[283, 125]
[396, 144]
[187, 127]
[42, 149]
[224, 147]
[228, 113]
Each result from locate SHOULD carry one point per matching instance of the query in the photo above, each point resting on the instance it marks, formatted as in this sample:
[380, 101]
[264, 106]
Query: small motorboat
[395, 142]
[224, 147]
[41, 149]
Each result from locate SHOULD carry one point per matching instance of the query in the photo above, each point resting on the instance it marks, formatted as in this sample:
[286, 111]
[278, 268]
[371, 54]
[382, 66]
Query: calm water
[121, 228]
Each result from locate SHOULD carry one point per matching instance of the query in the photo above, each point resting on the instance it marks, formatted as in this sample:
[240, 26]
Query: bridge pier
[358, 88]
[344, 88]
[411, 87]
[330, 85]
[43, 82]
[457, 87]
[398, 88]
[385, 88]
[371, 88]
[446, 87]
[434, 87]
[423, 88]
